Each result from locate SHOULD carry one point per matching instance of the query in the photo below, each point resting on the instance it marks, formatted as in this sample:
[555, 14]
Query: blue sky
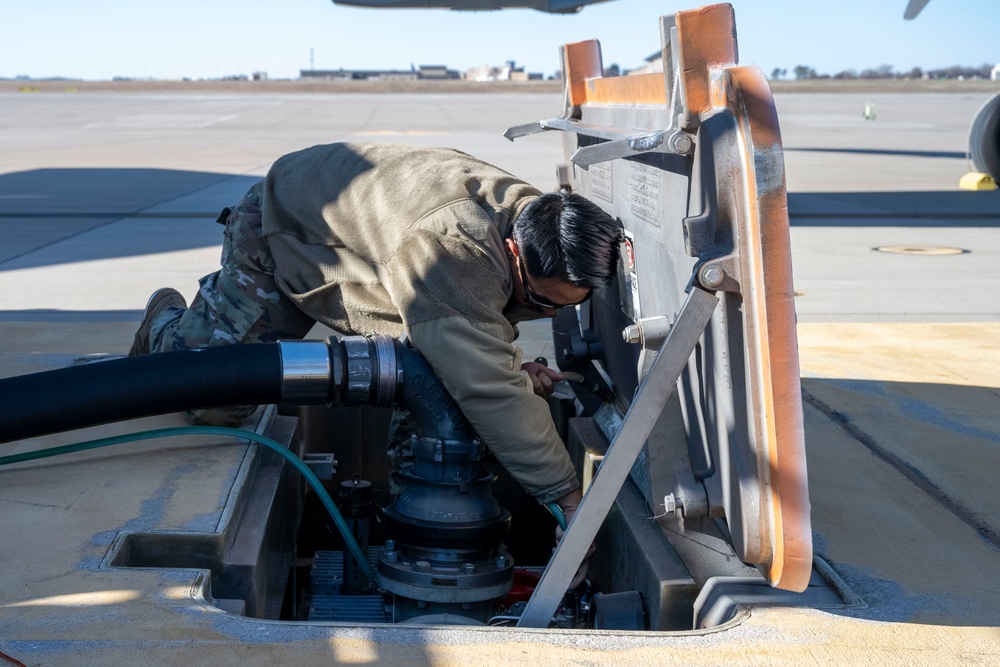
[99, 39]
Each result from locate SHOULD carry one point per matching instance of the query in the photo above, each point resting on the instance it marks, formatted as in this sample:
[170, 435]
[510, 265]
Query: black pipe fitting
[421, 392]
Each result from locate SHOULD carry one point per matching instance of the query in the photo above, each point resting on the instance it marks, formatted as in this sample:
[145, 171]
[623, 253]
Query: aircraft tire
[984, 138]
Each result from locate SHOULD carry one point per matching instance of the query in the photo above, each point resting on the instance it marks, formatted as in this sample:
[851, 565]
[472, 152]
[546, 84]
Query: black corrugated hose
[119, 389]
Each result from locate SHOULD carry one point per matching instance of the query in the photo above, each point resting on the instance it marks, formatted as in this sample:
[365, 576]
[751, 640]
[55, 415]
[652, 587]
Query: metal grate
[327, 574]
[348, 609]
[327, 577]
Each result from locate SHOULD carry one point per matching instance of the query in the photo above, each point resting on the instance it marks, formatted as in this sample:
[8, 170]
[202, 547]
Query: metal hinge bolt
[672, 504]
[712, 275]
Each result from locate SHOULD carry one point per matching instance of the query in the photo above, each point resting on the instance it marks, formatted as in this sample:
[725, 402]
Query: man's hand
[569, 504]
[543, 378]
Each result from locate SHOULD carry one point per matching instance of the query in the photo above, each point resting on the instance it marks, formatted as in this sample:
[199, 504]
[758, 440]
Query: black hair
[566, 236]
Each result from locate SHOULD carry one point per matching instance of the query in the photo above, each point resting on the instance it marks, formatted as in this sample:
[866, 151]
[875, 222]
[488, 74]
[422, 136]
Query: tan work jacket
[397, 239]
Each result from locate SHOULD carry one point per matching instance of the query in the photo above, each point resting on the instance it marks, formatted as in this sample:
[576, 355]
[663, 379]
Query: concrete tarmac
[106, 197]
[128, 181]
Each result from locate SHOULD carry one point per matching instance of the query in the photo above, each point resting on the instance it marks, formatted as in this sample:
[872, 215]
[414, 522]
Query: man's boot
[161, 301]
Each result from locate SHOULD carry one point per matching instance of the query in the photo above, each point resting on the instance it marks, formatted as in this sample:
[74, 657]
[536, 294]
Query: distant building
[436, 72]
[654, 63]
[995, 73]
[508, 72]
[358, 74]
[428, 72]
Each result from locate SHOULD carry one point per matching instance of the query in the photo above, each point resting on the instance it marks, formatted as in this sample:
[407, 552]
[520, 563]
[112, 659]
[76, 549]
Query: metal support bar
[675, 142]
[518, 131]
[566, 125]
[618, 144]
[607, 132]
[652, 396]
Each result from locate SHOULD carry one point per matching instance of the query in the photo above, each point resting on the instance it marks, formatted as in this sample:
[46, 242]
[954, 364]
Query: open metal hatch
[697, 338]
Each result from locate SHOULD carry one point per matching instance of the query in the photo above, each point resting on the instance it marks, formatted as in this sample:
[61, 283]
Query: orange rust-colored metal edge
[636, 89]
[581, 61]
[586, 84]
[707, 39]
[778, 370]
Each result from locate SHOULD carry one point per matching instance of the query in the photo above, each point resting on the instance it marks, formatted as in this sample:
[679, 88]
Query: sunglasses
[541, 301]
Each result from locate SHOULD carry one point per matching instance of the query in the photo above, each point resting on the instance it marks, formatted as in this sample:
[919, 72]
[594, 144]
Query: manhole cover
[919, 250]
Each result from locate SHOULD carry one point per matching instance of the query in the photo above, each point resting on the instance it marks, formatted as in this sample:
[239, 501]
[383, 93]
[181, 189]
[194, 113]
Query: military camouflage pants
[240, 303]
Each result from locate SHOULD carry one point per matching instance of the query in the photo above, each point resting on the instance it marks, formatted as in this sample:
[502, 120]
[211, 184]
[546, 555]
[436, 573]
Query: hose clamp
[372, 370]
[386, 381]
[360, 370]
[305, 372]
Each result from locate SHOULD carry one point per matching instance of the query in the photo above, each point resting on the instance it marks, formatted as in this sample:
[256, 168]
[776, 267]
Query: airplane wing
[913, 8]
[548, 6]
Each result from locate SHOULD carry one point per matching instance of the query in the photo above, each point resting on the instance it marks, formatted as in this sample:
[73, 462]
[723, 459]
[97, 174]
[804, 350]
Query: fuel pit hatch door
[690, 162]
